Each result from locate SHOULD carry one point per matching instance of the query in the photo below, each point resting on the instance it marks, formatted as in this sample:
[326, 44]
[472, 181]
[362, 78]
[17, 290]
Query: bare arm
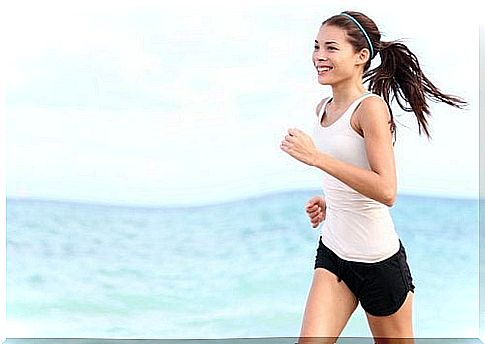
[380, 182]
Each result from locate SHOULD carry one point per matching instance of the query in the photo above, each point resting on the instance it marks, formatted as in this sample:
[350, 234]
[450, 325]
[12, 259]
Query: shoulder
[320, 104]
[373, 111]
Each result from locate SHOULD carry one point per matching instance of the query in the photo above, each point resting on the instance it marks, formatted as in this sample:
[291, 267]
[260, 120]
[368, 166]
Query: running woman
[360, 257]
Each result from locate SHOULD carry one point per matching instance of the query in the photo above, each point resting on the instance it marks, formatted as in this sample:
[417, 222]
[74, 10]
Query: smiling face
[333, 50]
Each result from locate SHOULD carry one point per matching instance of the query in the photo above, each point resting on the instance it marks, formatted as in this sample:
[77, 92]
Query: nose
[320, 57]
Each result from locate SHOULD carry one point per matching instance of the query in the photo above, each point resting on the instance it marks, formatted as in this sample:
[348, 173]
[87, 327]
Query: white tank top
[356, 228]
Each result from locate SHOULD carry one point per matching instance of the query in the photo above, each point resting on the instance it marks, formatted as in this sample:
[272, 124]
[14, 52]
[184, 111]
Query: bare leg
[329, 306]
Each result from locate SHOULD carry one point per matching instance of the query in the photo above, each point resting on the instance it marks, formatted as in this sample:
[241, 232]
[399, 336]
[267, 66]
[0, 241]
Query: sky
[183, 103]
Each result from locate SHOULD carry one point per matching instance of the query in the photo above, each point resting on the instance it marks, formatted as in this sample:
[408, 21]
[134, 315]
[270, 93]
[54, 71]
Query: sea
[240, 269]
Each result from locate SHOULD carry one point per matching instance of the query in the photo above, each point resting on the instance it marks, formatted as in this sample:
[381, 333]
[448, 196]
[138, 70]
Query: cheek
[342, 68]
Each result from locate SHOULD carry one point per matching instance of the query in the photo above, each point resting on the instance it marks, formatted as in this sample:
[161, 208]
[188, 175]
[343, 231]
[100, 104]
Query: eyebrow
[328, 42]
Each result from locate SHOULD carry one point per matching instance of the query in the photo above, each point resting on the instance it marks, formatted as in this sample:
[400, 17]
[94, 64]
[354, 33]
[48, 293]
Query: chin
[324, 82]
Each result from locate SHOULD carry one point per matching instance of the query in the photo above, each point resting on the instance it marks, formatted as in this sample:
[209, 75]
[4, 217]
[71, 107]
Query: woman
[360, 257]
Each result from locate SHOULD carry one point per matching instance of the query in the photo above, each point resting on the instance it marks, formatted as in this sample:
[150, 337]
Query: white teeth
[325, 69]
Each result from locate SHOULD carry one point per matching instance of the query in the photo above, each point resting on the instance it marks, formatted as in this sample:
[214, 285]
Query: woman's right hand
[316, 208]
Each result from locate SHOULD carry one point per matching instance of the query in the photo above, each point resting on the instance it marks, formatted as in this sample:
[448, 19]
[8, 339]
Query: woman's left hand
[300, 146]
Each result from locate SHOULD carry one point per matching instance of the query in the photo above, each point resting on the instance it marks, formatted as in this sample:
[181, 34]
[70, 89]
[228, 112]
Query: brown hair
[398, 72]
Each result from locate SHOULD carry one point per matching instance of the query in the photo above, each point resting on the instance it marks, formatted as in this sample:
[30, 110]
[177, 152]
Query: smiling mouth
[322, 70]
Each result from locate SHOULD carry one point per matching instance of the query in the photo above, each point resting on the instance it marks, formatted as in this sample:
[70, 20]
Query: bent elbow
[390, 198]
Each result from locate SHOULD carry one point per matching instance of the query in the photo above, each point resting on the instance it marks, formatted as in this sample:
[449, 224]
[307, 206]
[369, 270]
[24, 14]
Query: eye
[332, 48]
[316, 46]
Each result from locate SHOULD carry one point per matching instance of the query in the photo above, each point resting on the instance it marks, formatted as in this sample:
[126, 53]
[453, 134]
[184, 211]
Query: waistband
[401, 247]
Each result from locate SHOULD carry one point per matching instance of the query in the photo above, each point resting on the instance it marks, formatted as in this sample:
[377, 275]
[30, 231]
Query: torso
[357, 228]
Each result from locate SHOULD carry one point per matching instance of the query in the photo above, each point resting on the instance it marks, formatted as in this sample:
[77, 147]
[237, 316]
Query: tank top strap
[322, 109]
[350, 110]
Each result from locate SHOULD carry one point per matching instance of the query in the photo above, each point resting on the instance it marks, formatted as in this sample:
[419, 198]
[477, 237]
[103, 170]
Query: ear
[362, 57]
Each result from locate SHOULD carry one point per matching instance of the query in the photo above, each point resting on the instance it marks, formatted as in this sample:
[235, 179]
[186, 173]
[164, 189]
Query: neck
[345, 92]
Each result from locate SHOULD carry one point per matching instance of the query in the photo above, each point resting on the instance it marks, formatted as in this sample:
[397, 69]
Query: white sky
[152, 103]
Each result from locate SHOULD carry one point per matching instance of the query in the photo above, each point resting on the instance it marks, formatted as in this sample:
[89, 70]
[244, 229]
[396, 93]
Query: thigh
[385, 285]
[395, 328]
[388, 299]
[329, 306]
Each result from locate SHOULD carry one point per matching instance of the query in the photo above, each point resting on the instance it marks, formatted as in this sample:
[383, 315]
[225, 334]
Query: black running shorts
[380, 287]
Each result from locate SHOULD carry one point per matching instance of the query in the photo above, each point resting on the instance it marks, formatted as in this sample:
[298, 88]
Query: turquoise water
[240, 269]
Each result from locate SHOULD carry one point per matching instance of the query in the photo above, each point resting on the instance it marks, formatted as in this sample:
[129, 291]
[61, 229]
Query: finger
[284, 145]
[312, 202]
[315, 207]
[309, 206]
[315, 212]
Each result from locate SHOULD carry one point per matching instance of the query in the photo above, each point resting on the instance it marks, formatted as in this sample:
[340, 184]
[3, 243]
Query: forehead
[331, 33]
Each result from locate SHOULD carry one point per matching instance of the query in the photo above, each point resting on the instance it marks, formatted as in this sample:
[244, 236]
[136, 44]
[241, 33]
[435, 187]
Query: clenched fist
[316, 209]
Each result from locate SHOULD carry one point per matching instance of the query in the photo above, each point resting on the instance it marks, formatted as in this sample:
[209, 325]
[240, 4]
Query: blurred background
[147, 196]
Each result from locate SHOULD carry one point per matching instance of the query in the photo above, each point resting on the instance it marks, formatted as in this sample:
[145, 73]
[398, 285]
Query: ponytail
[401, 73]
